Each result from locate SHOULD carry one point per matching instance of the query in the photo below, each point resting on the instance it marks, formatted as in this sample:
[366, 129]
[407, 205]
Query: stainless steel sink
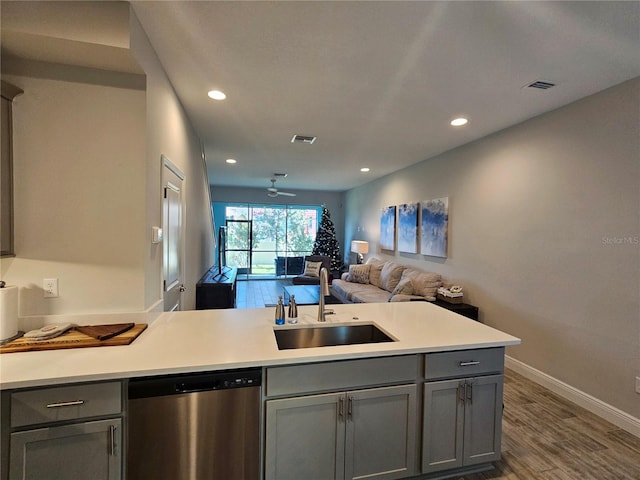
[329, 336]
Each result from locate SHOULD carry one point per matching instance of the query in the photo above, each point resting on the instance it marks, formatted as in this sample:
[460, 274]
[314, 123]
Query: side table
[470, 311]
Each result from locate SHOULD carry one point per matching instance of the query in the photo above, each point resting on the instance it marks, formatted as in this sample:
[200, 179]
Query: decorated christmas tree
[326, 242]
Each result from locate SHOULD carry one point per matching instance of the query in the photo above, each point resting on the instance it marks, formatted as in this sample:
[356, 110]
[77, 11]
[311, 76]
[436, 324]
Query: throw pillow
[358, 274]
[404, 287]
[375, 271]
[425, 284]
[390, 275]
[312, 269]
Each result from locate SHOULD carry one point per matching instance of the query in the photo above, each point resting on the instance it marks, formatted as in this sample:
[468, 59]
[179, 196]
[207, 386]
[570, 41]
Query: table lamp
[360, 247]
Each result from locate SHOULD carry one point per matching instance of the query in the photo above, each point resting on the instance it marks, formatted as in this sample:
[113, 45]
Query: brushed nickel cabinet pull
[113, 446]
[469, 364]
[72, 403]
[341, 407]
[350, 407]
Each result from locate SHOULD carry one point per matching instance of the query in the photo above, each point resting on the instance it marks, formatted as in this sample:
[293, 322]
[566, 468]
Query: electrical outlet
[637, 384]
[50, 287]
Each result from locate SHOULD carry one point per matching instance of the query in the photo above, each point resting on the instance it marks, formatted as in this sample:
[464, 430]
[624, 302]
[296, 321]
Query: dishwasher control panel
[199, 382]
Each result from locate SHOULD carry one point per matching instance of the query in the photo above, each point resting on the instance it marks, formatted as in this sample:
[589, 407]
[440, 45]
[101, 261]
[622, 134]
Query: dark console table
[465, 309]
[217, 289]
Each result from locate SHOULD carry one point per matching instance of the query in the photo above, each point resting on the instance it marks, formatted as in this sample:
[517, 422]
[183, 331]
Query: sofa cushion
[349, 292]
[359, 274]
[390, 275]
[371, 294]
[424, 284]
[404, 287]
[375, 271]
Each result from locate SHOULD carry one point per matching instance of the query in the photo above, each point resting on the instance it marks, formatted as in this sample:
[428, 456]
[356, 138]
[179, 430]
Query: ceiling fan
[272, 191]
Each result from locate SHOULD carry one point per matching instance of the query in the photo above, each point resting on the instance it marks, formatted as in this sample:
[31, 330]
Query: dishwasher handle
[197, 386]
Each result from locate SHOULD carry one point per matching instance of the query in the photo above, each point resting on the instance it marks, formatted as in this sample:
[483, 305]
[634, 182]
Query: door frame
[171, 167]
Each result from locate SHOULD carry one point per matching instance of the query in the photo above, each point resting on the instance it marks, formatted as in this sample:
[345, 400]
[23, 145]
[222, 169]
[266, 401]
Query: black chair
[309, 280]
[289, 265]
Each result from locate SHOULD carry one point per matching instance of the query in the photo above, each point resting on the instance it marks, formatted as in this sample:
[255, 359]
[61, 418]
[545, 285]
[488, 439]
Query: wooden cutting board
[72, 339]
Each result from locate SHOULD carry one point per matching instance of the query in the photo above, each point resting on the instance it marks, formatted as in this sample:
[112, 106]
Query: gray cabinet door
[483, 419]
[305, 438]
[462, 423]
[443, 425]
[89, 450]
[381, 433]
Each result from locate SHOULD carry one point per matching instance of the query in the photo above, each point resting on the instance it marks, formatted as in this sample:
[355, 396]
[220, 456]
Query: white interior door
[173, 233]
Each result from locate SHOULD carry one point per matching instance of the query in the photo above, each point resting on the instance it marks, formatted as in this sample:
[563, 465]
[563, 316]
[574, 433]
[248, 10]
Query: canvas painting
[435, 223]
[388, 228]
[408, 228]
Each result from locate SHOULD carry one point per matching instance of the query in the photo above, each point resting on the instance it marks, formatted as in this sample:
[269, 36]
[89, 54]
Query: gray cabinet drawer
[464, 363]
[57, 404]
[340, 375]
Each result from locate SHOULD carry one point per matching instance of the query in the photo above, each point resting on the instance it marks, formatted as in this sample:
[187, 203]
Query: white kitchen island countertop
[207, 340]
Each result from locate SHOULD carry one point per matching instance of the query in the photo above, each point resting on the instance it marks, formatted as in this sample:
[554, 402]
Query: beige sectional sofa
[385, 281]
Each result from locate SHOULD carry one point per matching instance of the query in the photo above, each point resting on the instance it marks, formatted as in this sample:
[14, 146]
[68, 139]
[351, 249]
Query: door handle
[113, 446]
[462, 391]
[469, 364]
[72, 403]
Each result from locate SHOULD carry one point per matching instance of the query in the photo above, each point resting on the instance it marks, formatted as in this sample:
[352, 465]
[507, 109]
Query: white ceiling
[376, 82]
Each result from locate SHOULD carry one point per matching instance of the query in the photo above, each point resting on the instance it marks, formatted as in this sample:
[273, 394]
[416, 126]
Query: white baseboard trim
[158, 306]
[598, 407]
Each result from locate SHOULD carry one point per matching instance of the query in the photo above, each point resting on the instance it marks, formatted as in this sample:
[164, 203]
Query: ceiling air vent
[303, 139]
[540, 85]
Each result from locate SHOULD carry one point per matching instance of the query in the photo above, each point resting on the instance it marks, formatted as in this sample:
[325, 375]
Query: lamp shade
[359, 246]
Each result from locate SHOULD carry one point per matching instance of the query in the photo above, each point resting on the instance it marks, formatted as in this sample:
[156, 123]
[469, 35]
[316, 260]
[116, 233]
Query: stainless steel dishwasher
[195, 427]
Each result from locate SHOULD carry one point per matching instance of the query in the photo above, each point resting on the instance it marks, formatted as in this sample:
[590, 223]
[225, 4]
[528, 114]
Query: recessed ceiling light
[458, 122]
[365, 169]
[230, 160]
[216, 95]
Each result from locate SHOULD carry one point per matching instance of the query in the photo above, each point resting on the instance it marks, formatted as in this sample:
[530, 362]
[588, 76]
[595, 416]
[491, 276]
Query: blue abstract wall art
[408, 228]
[434, 227]
[388, 228]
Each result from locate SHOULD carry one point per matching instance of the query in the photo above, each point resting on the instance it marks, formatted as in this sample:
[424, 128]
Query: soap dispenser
[280, 312]
[293, 310]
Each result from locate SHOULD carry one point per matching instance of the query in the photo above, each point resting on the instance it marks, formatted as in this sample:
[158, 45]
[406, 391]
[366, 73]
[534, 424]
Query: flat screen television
[222, 249]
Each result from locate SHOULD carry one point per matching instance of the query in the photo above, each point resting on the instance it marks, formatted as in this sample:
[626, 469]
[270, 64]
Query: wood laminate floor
[546, 437]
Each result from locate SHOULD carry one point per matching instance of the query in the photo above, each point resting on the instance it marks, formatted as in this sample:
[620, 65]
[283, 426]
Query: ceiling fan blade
[286, 194]
[272, 194]
[272, 189]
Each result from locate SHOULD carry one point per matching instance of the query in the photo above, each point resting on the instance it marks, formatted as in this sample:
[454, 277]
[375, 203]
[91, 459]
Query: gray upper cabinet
[346, 435]
[9, 92]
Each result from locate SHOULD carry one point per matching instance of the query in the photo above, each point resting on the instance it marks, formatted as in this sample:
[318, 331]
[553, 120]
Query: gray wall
[334, 201]
[79, 209]
[169, 132]
[544, 236]
[87, 161]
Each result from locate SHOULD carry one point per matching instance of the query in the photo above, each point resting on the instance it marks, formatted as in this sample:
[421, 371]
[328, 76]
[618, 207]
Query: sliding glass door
[266, 240]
